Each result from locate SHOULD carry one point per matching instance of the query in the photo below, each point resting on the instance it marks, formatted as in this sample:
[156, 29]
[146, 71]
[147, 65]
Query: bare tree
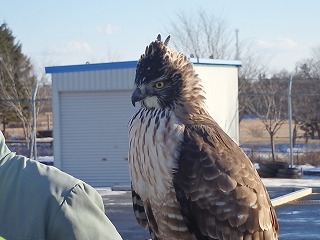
[202, 35]
[6, 116]
[17, 80]
[44, 90]
[16, 92]
[306, 98]
[253, 68]
[316, 53]
[268, 102]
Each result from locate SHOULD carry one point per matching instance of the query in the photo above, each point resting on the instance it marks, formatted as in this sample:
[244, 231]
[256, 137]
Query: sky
[69, 32]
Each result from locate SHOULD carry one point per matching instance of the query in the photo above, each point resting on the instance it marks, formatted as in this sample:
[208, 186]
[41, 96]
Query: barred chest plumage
[155, 138]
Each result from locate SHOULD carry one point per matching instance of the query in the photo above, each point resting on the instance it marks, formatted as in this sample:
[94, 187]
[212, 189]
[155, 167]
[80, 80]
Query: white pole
[33, 149]
[290, 121]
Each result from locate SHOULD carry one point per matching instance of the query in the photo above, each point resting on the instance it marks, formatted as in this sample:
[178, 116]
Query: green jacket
[42, 202]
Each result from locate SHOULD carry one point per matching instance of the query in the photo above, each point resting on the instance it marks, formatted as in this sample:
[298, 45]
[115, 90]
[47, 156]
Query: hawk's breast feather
[155, 137]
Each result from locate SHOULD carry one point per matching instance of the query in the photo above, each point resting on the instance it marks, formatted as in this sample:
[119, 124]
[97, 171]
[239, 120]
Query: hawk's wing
[220, 192]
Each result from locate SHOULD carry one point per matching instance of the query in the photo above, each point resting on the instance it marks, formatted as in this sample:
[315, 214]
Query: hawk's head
[165, 77]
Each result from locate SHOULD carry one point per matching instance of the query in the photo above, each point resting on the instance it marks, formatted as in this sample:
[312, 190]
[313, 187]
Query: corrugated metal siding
[115, 79]
[221, 86]
[94, 136]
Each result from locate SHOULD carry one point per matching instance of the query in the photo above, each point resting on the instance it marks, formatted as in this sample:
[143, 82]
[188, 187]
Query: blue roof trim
[91, 67]
[130, 64]
[205, 61]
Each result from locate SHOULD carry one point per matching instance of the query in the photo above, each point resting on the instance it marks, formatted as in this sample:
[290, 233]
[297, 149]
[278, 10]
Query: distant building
[92, 106]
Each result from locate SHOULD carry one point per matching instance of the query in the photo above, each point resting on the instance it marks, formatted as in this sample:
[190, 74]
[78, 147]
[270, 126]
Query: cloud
[76, 46]
[108, 29]
[72, 47]
[279, 44]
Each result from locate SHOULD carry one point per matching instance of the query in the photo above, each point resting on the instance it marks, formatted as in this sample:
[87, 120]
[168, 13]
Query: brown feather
[240, 203]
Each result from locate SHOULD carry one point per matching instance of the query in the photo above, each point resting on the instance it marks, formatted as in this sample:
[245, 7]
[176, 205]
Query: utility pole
[290, 121]
[237, 44]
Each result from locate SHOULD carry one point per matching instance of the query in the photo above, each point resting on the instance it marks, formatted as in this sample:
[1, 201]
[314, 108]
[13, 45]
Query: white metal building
[92, 106]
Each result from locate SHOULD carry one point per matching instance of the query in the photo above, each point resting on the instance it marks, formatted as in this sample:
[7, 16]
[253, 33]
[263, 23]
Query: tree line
[268, 98]
[18, 83]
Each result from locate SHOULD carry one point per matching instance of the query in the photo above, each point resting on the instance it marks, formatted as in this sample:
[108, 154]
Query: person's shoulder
[56, 176]
[35, 176]
[62, 183]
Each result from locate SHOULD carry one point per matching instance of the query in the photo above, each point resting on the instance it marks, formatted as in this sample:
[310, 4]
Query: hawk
[189, 179]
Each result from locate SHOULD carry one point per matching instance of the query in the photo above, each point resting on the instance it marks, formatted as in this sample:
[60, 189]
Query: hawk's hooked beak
[137, 95]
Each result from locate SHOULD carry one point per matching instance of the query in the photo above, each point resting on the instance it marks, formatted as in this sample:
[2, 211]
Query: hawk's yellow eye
[159, 85]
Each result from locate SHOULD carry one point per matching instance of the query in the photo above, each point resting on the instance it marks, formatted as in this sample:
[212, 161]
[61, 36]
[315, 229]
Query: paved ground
[299, 220]
[119, 210]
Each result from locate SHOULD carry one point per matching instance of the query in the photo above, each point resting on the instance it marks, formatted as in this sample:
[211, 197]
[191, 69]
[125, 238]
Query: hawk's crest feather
[160, 62]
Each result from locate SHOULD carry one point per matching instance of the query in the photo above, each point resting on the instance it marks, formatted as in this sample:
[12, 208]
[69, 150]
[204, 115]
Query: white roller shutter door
[94, 140]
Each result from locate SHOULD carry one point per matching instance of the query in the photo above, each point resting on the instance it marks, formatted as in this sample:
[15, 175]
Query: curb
[291, 197]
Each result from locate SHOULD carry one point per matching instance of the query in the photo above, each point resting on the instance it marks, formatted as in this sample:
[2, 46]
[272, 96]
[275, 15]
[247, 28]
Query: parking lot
[298, 220]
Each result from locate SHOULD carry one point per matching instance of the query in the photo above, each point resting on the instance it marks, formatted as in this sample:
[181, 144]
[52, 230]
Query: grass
[309, 157]
[252, 131]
